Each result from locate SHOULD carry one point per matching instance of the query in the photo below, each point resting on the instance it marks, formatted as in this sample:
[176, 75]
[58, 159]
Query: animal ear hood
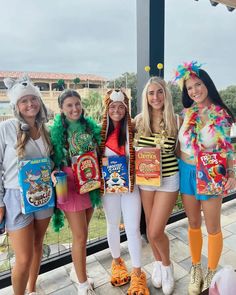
[23, 86]
[20, 88]
[9, 82]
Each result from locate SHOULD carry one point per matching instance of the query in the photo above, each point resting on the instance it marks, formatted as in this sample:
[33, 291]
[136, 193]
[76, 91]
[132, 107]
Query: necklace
[159, 127]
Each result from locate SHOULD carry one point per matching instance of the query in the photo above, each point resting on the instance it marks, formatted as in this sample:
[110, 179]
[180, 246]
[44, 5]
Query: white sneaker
[73, 278]
[88, 290]
[156, 274]
[33, 293]
[168, 281]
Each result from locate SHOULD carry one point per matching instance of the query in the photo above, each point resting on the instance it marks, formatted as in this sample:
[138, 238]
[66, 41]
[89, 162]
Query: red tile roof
[231, 3]
[53, 76]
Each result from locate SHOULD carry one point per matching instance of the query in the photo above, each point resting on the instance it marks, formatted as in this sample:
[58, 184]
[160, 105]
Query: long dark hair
[213, 93]
[122, 137]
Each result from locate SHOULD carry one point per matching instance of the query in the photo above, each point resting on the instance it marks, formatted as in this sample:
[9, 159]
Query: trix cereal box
[86, 170]
[211, 173]
[148, 166]
[35, 184]
[115, 174]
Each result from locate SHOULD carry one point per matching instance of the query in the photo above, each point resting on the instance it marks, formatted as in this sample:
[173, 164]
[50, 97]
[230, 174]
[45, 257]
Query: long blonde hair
[168, 112]
[23, 137]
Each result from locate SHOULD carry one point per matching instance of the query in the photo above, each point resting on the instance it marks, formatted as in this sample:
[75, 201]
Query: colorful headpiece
[186, 71]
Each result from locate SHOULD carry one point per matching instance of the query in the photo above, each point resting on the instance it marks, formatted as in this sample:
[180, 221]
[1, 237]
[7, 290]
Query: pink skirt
[76, 202]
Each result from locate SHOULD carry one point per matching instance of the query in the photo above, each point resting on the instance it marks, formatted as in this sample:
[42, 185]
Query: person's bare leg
[22, 244]
[162, 207]
[78, 222]
[40, 227]
[147, 198]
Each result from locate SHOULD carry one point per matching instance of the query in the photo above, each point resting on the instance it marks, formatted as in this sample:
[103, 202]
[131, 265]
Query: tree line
[93, 102]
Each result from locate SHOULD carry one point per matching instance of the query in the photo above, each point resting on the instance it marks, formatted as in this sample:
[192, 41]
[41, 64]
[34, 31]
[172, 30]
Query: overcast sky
[99, 37]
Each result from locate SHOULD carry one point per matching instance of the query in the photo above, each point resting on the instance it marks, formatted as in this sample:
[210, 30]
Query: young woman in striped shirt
[158, 125]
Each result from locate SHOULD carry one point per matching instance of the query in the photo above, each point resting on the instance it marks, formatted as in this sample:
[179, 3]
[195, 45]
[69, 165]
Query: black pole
[157, 36]
[150, 41]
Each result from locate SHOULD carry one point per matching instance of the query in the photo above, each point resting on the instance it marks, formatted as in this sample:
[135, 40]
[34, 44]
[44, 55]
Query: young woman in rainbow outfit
[206, 127]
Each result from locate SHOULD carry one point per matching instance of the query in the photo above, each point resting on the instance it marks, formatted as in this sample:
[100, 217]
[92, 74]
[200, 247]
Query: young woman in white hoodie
[23, 137]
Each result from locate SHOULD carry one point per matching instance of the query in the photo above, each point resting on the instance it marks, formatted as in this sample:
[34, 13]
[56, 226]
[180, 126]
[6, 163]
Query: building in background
[48, 85]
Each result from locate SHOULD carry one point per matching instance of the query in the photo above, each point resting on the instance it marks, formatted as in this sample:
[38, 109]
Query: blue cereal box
[115, 174]
[35, 184]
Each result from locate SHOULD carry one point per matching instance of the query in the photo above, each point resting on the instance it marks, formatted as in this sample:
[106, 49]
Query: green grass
[178, 204]
[97, 229]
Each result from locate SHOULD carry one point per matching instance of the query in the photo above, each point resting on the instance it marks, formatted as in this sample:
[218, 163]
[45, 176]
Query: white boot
[156, 274]
[196, 280]
[208, 278]
[168, 281]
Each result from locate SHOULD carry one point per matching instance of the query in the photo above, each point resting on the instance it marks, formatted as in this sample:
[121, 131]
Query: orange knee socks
[215, 245]
[195, 244]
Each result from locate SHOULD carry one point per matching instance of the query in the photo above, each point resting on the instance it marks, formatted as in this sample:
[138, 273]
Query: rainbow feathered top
[218, 128]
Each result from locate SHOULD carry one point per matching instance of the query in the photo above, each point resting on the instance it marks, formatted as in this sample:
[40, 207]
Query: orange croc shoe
[138, 284]
[119, 274]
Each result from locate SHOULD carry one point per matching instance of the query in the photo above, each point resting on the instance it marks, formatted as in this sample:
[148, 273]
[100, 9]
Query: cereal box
[148, 166]
[115, 174]
[86, 170]
[35, 185]
[211, 173]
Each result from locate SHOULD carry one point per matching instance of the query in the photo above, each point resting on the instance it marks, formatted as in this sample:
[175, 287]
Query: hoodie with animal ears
[9, 159]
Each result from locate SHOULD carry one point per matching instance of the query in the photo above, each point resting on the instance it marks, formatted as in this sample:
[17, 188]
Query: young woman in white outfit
[117, 140]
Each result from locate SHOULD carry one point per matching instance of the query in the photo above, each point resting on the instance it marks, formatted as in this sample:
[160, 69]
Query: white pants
[129, 204]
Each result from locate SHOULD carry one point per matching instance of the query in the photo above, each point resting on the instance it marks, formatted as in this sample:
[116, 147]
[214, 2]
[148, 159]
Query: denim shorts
[169, 184]
[14, 218]
[188, 184]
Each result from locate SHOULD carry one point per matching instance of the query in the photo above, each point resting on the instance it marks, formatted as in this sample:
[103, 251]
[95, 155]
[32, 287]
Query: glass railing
[57, 246]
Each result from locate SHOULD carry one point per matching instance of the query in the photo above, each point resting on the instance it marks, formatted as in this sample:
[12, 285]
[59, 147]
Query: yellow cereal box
[148, 166]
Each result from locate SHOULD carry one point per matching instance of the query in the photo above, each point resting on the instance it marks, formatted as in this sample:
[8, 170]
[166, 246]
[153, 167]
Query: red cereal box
[211, 173]
[86, 170]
